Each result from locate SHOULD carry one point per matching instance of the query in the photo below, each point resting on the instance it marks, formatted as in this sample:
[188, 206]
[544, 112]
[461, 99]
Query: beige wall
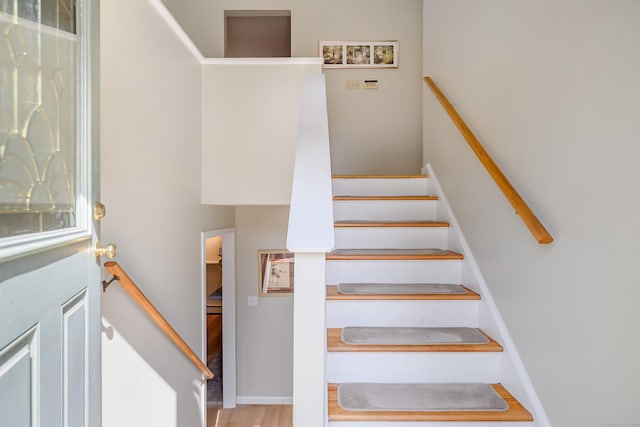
[265, 333]
[551, 88]
[150, 160]
[373, 131]
[249, 129]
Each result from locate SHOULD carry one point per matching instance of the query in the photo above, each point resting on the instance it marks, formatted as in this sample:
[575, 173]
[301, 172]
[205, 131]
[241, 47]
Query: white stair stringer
[513, 373]
[402, 366]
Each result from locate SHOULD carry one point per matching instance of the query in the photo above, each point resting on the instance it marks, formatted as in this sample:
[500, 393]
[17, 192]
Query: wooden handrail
[137, 295]
[526, 214]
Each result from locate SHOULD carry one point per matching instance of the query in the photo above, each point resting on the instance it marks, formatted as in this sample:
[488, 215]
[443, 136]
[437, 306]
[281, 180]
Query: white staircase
[381, 213]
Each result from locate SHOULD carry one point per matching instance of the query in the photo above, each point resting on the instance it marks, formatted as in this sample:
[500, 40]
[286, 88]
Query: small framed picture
[359, 54]
[275, 276]
[333, 54]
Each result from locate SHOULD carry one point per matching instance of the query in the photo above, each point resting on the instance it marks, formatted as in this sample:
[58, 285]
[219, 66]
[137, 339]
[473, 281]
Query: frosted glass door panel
[38, 129]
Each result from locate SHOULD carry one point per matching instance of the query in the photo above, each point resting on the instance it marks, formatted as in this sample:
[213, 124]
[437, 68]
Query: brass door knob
[109, 251]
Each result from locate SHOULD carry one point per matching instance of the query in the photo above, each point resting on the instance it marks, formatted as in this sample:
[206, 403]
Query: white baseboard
[265, 400]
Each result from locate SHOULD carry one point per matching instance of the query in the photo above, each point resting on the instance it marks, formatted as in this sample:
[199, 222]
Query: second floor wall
[372, 131]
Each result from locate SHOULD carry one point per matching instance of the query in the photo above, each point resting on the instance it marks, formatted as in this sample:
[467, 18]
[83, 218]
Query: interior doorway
[218, 316]
[257, 34]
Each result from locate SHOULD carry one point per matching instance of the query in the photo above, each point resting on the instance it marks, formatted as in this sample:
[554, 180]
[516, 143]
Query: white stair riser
[380, 187]
[391, 237]
[413, 367]
[412, 271]
[429, 424]
[402, 313]
[384, 210]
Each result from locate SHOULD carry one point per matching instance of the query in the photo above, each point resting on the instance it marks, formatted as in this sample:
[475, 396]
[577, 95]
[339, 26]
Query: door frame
[229, 395]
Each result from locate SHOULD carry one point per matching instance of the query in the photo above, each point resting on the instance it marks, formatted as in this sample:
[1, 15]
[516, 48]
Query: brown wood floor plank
[333, 294]
[251, 415]
[516, 412]
[335, 344]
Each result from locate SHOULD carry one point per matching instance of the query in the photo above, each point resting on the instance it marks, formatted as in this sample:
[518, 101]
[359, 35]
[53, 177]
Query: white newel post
[309, 341]
[310, 237]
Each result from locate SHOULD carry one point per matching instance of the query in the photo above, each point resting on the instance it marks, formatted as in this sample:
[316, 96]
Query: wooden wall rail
[521, 208]
[137, 295]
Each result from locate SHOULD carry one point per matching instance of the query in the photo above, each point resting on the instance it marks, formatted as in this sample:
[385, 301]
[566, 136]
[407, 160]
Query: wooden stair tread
[361, 198]
[516, 411]
[378, 176]
[333, 294]
[359, 223]
[335, 344]
[393, 254]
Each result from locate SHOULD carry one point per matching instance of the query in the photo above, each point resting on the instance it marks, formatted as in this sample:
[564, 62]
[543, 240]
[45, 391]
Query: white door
[49, 277]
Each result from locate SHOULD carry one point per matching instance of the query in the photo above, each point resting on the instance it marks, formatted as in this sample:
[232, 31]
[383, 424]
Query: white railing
[310, 236]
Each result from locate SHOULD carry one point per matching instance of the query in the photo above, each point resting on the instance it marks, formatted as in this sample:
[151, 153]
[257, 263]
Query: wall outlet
[252, 301]
[352, 85]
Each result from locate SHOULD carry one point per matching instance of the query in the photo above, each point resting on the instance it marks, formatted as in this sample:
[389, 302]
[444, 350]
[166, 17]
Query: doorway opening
[257, 33]
[218, 319]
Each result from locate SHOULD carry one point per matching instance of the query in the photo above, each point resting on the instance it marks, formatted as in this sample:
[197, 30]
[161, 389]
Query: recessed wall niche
[257, 33]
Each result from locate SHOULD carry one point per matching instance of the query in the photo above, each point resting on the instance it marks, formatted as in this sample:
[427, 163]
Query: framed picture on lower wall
[275, 276]
[359, 54]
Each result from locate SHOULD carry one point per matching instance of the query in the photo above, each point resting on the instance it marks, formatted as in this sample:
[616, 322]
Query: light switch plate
[352, 85]
[252, 301]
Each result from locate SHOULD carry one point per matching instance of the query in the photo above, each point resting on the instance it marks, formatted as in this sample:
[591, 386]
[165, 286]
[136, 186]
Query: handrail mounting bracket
[105, 283]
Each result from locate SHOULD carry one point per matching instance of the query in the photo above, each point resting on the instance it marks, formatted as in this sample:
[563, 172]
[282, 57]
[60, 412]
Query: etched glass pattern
[38, 135]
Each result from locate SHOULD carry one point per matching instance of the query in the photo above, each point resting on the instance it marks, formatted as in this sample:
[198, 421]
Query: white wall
[265, 332]
[249, 129]
[551, 89]
[151, 187]
[373, 131]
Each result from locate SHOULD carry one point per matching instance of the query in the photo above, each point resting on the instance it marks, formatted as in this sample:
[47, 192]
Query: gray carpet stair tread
[400, 289]
[420, 397]
[412, 336]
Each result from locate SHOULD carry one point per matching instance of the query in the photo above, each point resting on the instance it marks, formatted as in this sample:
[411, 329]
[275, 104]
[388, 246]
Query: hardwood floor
[251, 416]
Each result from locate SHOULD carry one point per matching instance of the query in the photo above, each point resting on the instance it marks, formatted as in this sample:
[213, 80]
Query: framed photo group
[359, 54]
